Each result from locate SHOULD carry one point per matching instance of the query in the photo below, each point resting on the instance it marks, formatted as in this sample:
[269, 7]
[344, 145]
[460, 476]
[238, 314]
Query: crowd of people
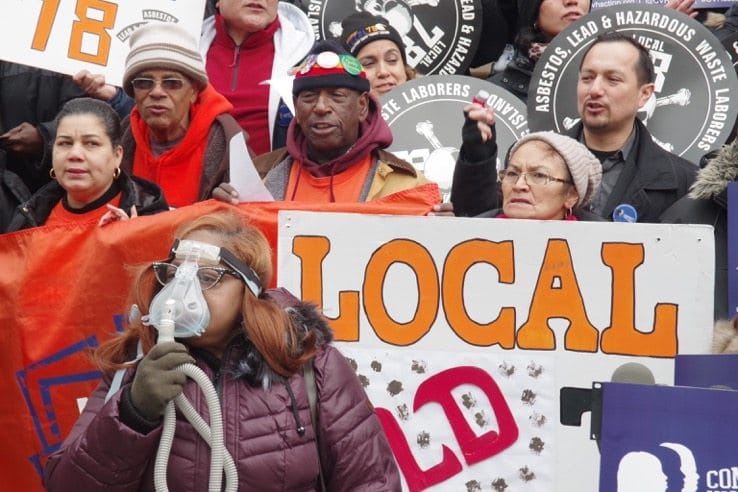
[89, 152]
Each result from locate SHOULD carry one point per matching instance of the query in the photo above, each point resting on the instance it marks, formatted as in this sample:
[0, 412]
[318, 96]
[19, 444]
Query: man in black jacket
[13, 192]
[29, 100]
[639, 178]
[707, 203]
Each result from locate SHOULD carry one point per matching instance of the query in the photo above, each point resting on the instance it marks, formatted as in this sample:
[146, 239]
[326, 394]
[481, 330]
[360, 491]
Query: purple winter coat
[102, 453]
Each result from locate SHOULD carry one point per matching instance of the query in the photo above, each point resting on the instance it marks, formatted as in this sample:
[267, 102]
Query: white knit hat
[162, 46]
[584, 167]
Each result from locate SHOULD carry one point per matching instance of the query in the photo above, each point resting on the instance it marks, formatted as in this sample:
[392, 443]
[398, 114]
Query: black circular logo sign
[694, 104]
[440, 36]
[426, 116]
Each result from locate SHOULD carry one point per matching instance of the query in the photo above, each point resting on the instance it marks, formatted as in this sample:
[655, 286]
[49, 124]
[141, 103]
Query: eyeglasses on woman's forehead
[146, 84]
[207, 276]
[511, 176]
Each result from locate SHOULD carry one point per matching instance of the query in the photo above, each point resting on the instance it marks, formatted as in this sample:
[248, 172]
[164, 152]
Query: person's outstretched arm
[474, 186]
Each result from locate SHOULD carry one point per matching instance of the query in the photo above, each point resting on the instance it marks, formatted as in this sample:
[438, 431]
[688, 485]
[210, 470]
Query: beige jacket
[390, 175]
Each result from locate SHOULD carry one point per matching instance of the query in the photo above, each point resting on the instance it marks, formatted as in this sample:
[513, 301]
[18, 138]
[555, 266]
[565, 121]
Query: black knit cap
[362, 28]
[329, 65]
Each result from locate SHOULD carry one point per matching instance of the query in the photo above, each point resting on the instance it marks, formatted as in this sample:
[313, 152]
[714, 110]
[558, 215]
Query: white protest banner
[463, 331]
[67, 36]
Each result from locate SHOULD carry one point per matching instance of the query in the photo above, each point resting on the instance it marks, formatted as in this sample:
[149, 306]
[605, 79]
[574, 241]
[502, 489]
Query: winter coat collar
[645, 152]
[145, 195]
[374, 133]
[245, 361]
[721, 170]
[263, 36]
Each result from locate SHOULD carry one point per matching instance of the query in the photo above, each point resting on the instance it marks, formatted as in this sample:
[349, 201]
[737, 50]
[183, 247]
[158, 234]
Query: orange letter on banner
[557, 295]
[621, 337]
[458, 262]
[420, 261]
[43, 26]
[93, 27]
[312, 250]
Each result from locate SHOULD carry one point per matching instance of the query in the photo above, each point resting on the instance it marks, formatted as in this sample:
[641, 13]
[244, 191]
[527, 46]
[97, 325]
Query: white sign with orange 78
[67, 36]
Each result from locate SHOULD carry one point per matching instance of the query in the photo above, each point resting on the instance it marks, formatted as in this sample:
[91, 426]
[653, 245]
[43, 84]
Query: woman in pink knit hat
[547, 176]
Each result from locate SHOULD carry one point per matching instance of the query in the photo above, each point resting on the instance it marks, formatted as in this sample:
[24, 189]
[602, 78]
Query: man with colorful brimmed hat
[335, 144]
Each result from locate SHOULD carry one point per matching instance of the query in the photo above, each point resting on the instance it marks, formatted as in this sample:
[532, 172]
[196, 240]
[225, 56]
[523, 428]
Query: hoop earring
[52, 173]
[116, 173]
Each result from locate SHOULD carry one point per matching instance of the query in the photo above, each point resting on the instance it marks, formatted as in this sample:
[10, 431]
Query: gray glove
[156, 381]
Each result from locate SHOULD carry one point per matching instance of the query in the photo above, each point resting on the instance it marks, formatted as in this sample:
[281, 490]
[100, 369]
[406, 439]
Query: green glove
[156, 381]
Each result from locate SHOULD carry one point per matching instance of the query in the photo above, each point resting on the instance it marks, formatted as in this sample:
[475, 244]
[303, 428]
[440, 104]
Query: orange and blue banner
[63, 290]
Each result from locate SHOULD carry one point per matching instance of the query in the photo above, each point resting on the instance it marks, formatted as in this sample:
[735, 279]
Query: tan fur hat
[164, 46]
[725, 337]
[584, 167]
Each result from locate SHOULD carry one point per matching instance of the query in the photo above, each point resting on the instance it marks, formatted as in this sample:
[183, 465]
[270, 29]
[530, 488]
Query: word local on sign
[556, 295]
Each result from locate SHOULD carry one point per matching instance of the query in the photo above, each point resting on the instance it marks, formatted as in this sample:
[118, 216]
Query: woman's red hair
[283, 346]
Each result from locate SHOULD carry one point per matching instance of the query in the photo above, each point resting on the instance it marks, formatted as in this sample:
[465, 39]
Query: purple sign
[698, 4]
[706, 370]
[712, 4]
[601, 4]
[663, 438]
[732, 253]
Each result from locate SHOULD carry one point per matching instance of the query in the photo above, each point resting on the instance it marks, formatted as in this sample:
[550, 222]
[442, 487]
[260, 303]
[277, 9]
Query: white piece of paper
[244, 176]
[284, 89]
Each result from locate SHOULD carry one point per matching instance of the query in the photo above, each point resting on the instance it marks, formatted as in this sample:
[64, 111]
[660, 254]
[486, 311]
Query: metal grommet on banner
[625, 213]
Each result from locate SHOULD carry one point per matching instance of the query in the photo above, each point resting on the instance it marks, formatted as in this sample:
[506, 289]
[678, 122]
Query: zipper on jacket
[235, 64]
[26, 212]
[294, 409]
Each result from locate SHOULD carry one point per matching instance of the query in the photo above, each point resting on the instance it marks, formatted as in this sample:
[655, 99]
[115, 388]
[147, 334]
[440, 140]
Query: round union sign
[694, 105]
[440, 37]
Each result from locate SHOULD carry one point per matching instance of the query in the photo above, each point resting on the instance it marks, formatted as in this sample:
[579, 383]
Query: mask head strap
[247, 274]
[212, 255]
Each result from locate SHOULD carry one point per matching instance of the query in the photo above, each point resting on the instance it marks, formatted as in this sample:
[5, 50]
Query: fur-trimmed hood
[725, 337]
[252, 366]
[718, 173]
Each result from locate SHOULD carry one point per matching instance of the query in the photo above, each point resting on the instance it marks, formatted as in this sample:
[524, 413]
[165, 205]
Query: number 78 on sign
[67, 36]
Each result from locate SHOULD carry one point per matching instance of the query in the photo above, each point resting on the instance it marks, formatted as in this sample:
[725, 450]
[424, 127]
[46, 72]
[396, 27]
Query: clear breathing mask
[189, 310]
[199, 269]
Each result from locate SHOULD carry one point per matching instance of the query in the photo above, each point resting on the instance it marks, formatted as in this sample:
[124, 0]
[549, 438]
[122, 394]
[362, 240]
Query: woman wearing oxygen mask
[266, 354]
